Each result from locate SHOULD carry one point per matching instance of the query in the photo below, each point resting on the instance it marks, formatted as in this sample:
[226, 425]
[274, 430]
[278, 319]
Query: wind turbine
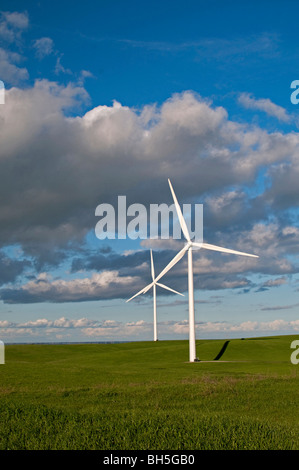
[153, 284]
[188, 247]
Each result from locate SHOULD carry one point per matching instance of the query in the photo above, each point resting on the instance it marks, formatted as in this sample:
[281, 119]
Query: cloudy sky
[115, 98]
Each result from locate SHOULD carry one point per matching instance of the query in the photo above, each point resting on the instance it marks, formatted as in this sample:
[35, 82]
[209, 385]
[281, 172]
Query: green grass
[147, 396]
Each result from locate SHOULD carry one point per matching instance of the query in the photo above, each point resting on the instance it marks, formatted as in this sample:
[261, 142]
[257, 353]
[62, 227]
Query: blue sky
[112, 98]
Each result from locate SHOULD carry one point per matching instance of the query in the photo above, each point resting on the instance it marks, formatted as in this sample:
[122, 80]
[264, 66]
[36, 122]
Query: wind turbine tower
[188, 248]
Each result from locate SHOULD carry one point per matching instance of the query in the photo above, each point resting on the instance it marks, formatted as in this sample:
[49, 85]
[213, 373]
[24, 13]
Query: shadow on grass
[222, 351]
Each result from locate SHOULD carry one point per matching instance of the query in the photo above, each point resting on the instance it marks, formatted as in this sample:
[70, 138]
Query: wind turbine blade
[138, 293]
[207, 246]
[168, 288]
[180, 215]
[147, 288]
[142, 291]
[174, 260]
[152, 266]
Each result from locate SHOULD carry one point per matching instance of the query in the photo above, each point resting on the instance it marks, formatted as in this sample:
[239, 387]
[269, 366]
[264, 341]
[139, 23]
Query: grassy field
[147, 396]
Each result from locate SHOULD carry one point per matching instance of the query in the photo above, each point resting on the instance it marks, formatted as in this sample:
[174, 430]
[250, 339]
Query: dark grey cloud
[99, 261]
[10, 268]
[279, 307]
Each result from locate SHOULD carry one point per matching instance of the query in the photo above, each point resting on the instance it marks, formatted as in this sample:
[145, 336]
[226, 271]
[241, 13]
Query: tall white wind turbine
[188, 247]
[153, 284]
